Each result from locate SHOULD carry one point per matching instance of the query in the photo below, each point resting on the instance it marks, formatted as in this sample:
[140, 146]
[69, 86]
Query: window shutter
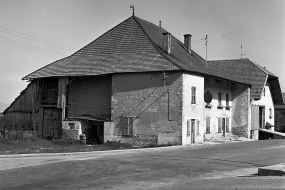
[126, 126]
[131, 125]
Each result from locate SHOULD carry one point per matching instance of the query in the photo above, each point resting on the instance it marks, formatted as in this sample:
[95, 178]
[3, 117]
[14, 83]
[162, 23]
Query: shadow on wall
[140, 81]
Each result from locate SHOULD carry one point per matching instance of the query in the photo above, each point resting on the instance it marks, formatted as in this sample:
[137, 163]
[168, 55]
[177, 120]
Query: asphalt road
[222, 166]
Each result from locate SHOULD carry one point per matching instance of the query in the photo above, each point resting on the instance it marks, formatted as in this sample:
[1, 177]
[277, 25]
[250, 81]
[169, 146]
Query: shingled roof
[254, 74]
[134, 45]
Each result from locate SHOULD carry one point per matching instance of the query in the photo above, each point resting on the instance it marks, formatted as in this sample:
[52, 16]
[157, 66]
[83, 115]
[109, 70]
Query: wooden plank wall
[20, 114]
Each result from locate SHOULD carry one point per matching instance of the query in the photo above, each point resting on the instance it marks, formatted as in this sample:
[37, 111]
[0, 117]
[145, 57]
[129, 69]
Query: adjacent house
[279, 113]
[135, 84]
[265, 91]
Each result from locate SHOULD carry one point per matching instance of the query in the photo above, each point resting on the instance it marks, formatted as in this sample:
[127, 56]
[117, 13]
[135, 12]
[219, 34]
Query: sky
[34, 33]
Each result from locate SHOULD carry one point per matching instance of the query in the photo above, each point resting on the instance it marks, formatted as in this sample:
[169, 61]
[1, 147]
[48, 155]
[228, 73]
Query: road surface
[222, 166]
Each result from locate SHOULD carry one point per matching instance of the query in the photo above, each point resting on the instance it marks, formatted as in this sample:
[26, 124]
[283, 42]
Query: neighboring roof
[281, 105]
[252, 73]
[132, 46]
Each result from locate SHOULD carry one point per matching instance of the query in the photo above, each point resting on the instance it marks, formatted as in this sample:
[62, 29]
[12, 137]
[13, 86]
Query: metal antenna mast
[133, 7]
[241, 54]
[206, 50]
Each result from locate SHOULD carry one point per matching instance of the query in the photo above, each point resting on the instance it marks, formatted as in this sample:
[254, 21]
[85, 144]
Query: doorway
[261, 117]
[192, 130]
[96, 133]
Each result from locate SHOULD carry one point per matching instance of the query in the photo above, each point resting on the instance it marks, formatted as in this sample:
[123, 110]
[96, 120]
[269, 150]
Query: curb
[273, 170]
[106, 151]
[91, 152]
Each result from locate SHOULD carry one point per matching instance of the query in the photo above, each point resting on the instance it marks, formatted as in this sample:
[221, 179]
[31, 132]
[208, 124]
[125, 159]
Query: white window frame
[128, 126]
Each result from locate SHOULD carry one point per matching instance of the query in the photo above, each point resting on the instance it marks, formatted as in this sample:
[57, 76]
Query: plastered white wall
[192, 111]
[214, 87]
[267, 102]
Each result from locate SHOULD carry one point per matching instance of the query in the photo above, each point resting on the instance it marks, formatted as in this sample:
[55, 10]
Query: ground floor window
[208, 126]
[220, 123]
[128, 125]
[227, 125]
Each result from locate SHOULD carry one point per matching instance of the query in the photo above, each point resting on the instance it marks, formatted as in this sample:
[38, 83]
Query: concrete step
[273, 170]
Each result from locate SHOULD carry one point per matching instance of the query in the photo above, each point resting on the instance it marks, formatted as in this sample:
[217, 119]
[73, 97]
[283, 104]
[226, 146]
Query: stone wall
[240, 110]
[154, 103]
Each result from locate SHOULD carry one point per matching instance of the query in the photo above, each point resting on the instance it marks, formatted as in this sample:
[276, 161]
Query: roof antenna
[241, 50]
[206, 50]
[133, 7]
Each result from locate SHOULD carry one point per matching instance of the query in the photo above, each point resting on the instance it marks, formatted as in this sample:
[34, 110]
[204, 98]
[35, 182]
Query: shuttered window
[193, 95]
[208, 125]
[220, 122]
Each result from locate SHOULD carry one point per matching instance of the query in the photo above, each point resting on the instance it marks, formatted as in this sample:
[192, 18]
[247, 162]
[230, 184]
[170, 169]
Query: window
[227, 125]
[128, 125]
[219, 99]
[220, 122]
[188, 128]
[193, 99]
[71, 125]
[197, 123]
[208, 125]
[227, 100]
[264, 91]
[270, 113]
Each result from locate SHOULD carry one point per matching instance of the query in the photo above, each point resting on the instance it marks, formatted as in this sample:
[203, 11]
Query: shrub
[67, 142]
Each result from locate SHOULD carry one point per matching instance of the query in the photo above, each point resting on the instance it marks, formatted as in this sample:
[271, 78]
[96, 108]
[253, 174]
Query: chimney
[159, 23]
[187, 42]
[166, 42]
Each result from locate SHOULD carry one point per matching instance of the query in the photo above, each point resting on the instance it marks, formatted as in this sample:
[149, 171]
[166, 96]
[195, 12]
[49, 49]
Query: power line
[235, 49]
[38, 38]
[248, 49]
[29, 48]
[32, 46]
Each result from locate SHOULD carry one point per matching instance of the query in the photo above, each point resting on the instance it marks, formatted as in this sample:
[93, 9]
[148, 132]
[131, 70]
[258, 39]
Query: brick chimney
[166, 42]
[187, 42]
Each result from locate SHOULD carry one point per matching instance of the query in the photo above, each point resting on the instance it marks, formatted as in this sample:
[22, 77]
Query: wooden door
[52, 125]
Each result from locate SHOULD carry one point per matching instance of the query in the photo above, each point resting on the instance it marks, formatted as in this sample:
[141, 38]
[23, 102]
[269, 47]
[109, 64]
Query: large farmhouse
[136, 83]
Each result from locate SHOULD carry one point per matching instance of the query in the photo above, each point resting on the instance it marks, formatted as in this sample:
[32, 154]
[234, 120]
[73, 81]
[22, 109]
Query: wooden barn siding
[27, 99]
[19, 115]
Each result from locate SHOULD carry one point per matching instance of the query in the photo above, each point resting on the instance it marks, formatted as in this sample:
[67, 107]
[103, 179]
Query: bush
[67, 142]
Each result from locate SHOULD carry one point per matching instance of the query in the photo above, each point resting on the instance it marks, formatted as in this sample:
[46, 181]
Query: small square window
[71, 125]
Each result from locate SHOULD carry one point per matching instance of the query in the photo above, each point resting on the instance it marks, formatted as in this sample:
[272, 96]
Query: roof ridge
[154, 44]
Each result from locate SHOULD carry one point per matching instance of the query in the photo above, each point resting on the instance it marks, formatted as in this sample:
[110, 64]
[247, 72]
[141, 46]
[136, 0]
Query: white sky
[34, 33]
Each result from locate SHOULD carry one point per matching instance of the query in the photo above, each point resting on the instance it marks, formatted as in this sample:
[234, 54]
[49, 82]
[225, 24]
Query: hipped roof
[254, 74]
[134, 45]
